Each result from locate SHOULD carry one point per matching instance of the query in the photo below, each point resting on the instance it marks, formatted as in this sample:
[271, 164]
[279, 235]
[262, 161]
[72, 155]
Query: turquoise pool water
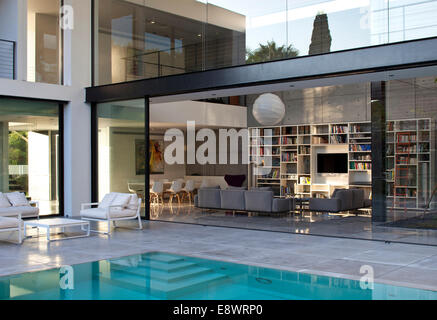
[167, 276]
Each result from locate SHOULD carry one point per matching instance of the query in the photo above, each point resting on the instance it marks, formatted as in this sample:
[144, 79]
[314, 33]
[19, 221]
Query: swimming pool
[158, 275]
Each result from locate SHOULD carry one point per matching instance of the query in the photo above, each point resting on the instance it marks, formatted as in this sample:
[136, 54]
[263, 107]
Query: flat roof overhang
[361, 61]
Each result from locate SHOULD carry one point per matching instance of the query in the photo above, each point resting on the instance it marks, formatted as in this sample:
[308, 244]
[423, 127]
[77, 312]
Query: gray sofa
[341, 200]
[239, 199]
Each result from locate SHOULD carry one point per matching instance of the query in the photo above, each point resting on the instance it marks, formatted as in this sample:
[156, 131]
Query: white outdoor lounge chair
[10, 222]
[114, 207]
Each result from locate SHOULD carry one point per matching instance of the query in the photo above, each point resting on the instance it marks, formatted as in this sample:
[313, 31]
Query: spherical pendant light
[268, 109]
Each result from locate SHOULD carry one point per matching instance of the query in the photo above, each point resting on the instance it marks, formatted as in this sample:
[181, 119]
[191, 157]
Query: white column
[77, 114]
[21, 47]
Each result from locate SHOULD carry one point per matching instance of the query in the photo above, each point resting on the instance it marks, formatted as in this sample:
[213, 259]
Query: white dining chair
[189, 189]
[157, 191]
[174, 191]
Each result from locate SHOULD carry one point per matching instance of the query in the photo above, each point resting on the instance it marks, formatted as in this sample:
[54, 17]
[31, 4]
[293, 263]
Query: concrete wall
[345, 103]
[77, 124]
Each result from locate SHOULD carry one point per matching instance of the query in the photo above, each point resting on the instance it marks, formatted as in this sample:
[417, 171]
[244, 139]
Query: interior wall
[344, 103]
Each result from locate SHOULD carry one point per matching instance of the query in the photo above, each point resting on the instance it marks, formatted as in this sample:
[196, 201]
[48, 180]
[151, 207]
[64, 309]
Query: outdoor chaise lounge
[16, 202]
[10, 222]
[114, 207]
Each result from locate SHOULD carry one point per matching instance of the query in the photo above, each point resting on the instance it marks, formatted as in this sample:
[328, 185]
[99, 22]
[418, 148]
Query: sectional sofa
[341, 200]
[240, 199]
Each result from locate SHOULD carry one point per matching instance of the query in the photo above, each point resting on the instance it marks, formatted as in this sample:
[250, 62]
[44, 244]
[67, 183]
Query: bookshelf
[408, 162]
[292, 167]
[292, 150]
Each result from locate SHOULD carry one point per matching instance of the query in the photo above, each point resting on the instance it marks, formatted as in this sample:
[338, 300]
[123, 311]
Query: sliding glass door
[30, 144]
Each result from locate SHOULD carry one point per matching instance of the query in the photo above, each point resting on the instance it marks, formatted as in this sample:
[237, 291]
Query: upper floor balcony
[138, 39]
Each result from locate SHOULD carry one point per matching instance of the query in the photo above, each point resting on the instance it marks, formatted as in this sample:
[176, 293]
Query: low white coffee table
[57, 223]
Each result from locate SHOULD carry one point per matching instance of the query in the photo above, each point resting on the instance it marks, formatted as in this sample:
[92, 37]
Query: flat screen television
[332, 163]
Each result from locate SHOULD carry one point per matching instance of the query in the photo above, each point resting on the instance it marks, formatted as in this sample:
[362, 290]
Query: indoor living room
[320, 155]
[313, 167]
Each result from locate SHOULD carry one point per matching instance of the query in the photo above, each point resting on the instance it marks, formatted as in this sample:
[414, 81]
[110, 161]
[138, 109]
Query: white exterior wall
[77, 121]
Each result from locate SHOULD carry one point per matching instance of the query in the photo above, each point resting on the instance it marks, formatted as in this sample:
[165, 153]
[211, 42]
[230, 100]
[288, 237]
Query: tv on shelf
[332, 163]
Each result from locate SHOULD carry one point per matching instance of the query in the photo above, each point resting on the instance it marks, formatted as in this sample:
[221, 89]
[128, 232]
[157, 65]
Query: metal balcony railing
[7, 59]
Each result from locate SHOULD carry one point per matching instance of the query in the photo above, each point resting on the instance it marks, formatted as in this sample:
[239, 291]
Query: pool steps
[164, 276]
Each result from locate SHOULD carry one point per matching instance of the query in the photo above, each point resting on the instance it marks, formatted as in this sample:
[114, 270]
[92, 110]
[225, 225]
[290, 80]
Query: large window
[44, 45]
[121, 152]
[146, 39]
[411, 114]
[30, 148]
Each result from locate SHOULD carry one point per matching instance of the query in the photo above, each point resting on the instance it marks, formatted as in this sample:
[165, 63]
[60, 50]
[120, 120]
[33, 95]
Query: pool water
[159, 275]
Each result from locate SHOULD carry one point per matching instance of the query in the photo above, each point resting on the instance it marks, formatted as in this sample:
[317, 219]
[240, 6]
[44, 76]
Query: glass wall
[121, 147]
[193, 145]
[29, 134]
[140, 39]
[44, 41]
[411, 113]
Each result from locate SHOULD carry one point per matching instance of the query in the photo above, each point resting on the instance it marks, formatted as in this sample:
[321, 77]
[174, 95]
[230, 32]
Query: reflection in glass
[158, 38]
[29, 133]
[44, 45]
[121, 150]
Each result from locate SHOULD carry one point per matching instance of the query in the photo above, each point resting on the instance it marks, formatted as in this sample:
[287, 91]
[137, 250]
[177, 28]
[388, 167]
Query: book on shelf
[366, 157]
[304, 130]
[338, 139]
[360, 166]
[304, 150]
[289, 157]
[338, 129]
[305, 180]
[289, 140]
[288, 190]
[360, 147]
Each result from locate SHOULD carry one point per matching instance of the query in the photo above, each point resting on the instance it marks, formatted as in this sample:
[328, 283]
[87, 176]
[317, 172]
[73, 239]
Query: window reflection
[145, 39]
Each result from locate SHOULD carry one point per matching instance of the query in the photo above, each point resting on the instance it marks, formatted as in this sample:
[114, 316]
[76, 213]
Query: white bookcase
[408, 161]
[292, 150]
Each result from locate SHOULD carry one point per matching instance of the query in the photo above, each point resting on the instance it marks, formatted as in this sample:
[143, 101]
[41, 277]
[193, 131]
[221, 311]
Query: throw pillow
[121, 200]
[17, 199]
[107, 200]
[4, 202]
[133, 202]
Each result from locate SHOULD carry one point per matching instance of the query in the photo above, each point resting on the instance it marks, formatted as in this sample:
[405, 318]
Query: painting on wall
[156, 154]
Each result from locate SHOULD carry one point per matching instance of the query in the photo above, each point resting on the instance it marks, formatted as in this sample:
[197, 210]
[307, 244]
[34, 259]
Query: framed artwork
[156, 154]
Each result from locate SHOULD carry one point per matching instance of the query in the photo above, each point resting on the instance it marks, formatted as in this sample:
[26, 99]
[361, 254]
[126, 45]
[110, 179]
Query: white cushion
[133, 202]
[99, 213]
[6, 222]
[121, 200]
[4, 202]
[107, 200]
[26, 211]
[10, 210]
[17, 199]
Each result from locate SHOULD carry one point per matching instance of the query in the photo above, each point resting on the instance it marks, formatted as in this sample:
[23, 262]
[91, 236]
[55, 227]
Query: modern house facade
[93, 94]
